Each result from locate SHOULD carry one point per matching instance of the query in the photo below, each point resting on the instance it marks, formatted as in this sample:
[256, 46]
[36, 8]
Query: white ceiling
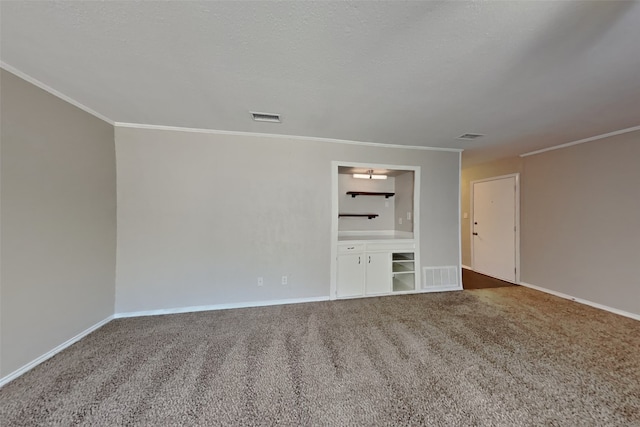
[527, 74]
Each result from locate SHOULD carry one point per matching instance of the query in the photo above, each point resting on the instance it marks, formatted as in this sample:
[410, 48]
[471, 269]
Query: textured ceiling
[527, 74]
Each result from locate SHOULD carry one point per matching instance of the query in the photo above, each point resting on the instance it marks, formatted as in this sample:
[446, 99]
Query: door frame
[517, 219]
[335, 164]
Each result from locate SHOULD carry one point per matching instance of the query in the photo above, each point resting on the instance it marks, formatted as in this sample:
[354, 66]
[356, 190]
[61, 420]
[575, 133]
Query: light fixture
[369, 175]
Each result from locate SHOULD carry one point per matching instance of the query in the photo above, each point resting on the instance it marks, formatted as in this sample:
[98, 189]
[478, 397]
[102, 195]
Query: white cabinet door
[351, 275]
[378, 273]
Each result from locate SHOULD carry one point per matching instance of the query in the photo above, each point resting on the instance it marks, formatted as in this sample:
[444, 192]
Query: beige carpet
[493, 357]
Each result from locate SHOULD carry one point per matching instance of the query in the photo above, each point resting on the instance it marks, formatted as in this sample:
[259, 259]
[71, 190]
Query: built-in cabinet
[367, 269]
[351, 271]
[377, 277]
[376, 223]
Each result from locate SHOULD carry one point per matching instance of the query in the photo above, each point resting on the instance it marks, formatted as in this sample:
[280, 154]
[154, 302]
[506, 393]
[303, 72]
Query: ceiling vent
[470, 136]
[266, 117]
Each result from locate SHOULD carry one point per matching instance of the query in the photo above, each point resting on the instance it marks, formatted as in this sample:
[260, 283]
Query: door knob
[475, 234]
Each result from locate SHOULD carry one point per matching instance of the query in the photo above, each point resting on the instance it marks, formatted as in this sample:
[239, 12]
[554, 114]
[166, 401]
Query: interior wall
[385, 208]
[201, 216]
[404, 202]
[580, 234]
[578, 209]
[486, 170]
[58, 219]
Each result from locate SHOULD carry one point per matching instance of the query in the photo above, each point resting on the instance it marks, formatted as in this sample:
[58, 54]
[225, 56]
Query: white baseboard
[48, 355]
[583, 301]
[441, 289]
[466, 267]
[194, 309]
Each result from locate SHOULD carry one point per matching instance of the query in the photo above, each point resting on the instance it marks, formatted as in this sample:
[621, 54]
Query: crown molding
[582, 141]
[53, 92]
[279, 136]
[83, 107]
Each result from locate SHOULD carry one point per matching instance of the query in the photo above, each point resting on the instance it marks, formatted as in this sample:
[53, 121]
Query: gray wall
[379, 205]
[58, 219]
[580, 233]
[578, 219]
[404, 201]
[201, 216]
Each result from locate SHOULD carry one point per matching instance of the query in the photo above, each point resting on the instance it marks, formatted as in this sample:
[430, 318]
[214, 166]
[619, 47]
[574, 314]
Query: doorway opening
[495, 227]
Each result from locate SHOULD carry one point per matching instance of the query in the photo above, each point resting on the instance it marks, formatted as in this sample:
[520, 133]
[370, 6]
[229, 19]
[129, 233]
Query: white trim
[460, 217]
[583, 301]
[516, 176]
[54, 92]
[466, 267]
[274, 135]
[441, 289]
[215, 307]
[335, 164]
[15, 374]
[412, 292]
[333, 262]
[517, 225]
[582, 141]
[83, 107]
[578, 300]
[417, 180]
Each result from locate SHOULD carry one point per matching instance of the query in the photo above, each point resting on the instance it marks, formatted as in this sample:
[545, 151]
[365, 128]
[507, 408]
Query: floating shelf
[369, 216]
[368, 193]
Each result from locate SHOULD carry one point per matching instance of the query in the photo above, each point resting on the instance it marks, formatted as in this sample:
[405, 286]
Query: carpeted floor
[491, 357]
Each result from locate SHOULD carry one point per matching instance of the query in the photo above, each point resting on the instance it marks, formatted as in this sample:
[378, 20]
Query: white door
[494, 228]
[350, 275]
[378, 277]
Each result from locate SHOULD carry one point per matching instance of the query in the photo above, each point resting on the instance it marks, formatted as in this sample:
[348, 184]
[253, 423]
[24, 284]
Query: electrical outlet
[284, 280]
[260, 281]
[409, 216]
[400, 220]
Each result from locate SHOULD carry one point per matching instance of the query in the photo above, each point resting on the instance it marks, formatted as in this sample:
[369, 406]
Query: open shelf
[368, 216]
[404, 282]
[399, 257]
[403, 271]
[403, 267]
[369, 193]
